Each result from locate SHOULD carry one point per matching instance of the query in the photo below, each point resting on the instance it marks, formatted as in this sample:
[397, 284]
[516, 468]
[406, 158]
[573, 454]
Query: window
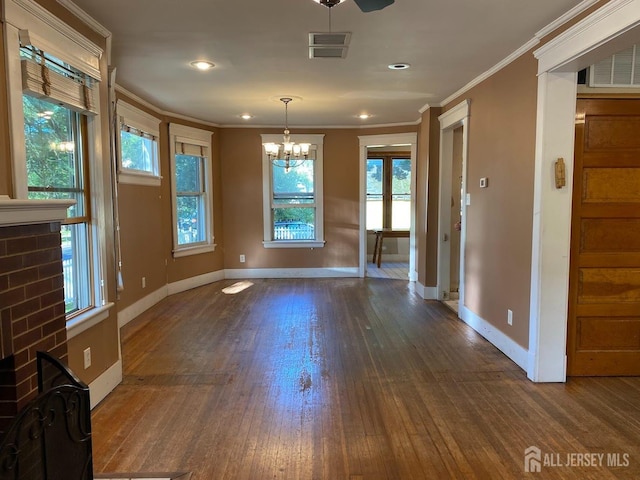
[388, 192]
[192, 190]
[138, 160]
[293, 204]
[53, 74]
[56, 168]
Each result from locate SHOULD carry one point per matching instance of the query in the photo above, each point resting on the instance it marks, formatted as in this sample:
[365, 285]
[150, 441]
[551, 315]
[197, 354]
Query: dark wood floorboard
[344, 379]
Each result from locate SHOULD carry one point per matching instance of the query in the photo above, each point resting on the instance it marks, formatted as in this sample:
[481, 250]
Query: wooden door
[604, 283]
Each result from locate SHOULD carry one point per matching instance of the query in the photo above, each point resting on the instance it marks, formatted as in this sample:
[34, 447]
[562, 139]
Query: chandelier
[293, 154]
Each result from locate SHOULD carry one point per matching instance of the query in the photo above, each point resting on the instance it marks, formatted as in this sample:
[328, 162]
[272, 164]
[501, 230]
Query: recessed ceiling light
[364, 116]
[202, 65]
[399, 66]
[246, 116]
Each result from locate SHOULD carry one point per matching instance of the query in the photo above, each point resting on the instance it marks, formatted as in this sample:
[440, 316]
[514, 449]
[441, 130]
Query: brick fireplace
[32, 311]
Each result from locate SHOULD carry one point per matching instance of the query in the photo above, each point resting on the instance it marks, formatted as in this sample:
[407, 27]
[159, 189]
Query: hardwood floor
[344, 379]
[389, 270]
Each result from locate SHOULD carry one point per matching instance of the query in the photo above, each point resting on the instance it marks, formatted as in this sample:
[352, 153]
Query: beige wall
[241, 153]
[498, 248]
[501, 147]
[427, 197]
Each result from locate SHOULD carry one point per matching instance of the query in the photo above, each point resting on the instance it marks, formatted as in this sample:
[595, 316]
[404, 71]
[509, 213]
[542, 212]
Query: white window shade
[69, 47]
[186, 148]
[136, 118]
[41, 81]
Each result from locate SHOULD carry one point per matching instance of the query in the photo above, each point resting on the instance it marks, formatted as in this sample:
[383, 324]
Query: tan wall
[146, 221]
[193, 265]
[427, 197]
[103, 337]
[241, 153]
[501, 133]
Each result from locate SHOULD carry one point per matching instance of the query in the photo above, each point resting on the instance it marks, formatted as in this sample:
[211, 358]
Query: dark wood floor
[345, 379]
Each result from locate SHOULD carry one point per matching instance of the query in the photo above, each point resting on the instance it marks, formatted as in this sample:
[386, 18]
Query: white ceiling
[260, 49]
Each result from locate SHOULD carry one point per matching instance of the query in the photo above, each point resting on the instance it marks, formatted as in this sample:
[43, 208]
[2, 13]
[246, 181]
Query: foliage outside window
[52, 77]
[388, 192]
[293, 207]
[139, 132]
[192, 187]
[56, 169]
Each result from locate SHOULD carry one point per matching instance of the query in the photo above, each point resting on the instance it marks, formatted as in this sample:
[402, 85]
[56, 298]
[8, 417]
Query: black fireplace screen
[50, 439]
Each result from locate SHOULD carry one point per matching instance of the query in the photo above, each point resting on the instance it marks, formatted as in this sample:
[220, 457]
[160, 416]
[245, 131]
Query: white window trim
[136, 118]
[62, 41]
[194, 136]
[317, 144]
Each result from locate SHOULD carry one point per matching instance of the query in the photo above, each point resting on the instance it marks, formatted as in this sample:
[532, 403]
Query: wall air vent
[329, 44]
[619, 70]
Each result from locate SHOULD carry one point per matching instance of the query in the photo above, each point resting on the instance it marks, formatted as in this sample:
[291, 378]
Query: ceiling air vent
[619, 70]
[329, 44]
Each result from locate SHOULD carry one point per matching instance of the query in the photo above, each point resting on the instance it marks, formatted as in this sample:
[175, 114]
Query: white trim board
[426, 293]
[609, 27]
[517, 353]
[458, 116]
[132, 311]
[105, 383]
[408, 138]
[563, 19]
[194, 282]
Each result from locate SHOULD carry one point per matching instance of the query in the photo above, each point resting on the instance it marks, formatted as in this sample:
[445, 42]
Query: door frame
[393, 139]
[611, 28]
[458, 116]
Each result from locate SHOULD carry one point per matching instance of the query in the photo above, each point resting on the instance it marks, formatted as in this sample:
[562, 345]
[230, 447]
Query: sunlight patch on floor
[237, 287]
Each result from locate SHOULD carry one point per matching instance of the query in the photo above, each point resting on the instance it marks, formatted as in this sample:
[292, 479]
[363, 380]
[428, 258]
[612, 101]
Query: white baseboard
[292, 272]
[105, 383]
[132, 311]
[427, 293]
[502, 342]
[197, 281]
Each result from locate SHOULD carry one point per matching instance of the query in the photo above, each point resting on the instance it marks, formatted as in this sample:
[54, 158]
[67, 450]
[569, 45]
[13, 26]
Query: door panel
[604, 283]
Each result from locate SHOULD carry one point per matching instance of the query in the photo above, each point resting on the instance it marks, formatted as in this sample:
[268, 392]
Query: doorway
[611, 28]
[388, 211]
[603, 335]
[452, 205]
[406, 144]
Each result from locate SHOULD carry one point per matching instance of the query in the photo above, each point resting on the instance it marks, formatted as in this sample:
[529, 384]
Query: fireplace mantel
[28, 212]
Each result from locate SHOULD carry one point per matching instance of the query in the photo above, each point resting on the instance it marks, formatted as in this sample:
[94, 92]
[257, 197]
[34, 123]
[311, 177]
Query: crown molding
[567, 17]
[87, 19]
[492, 71]
[159, 111]
[327, 127]
[551, 27]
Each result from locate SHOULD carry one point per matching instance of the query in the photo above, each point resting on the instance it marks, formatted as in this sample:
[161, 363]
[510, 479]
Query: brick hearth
[32, 311]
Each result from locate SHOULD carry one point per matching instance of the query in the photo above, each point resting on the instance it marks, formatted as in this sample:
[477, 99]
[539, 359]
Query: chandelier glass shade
[293, 154]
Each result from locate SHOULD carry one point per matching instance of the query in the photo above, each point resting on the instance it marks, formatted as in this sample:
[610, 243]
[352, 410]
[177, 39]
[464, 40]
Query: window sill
[132, 178]
[196, 250]
[294, 244]
[86, 320]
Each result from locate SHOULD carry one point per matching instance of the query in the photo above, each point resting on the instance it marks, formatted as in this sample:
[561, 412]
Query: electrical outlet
[144, 282]
[87, 357]
[509, 317]
[242, 258]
